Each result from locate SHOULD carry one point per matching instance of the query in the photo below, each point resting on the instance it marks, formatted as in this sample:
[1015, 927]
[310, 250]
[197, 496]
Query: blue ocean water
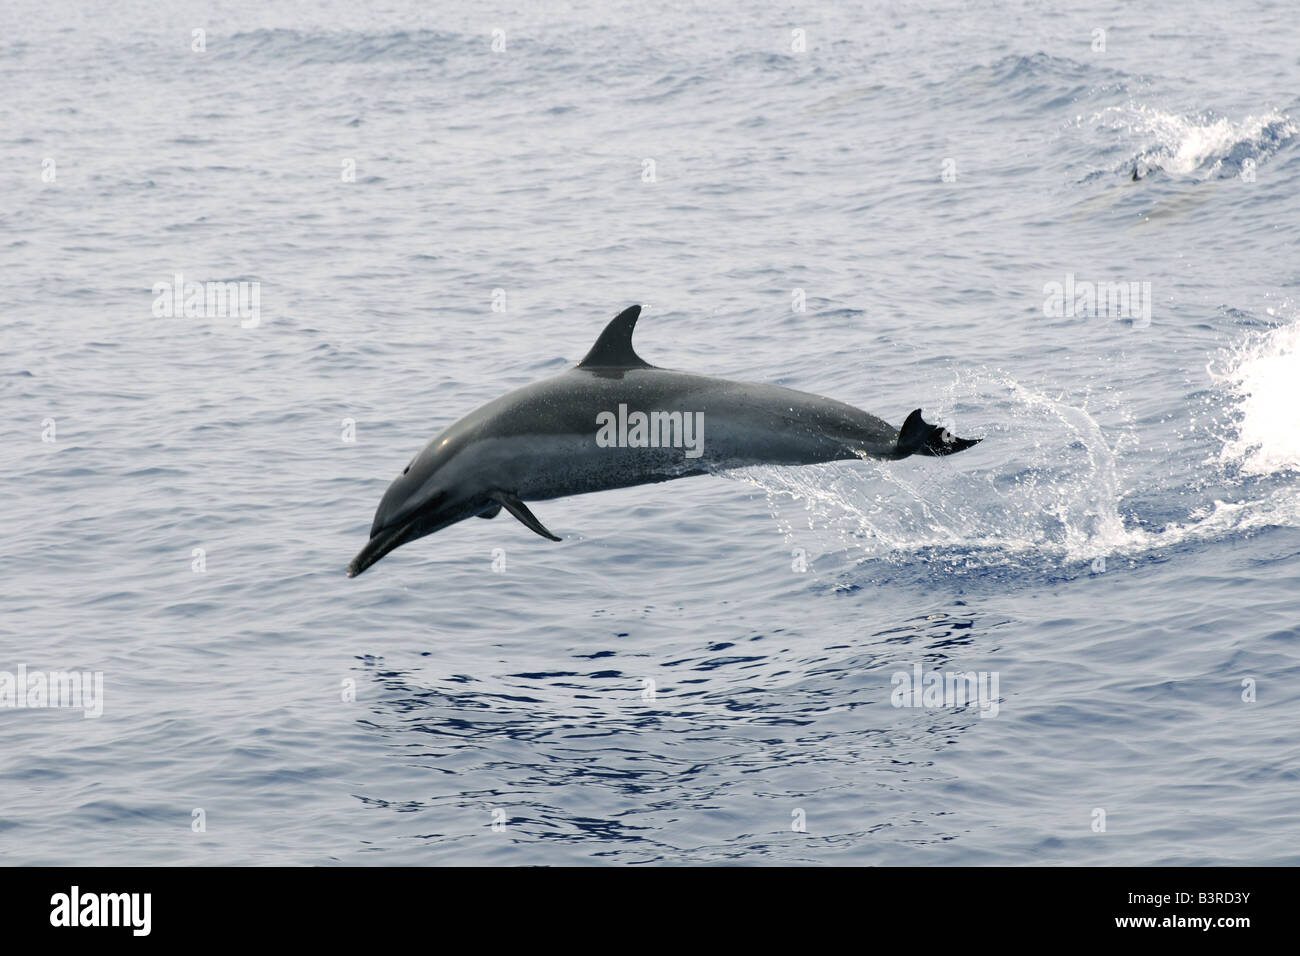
[702, 671]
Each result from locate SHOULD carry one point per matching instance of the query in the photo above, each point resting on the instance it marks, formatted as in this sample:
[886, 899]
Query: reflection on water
[707, 763]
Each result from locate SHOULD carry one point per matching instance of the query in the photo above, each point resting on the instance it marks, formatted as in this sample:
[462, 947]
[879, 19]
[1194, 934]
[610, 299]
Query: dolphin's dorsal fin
[614, 347]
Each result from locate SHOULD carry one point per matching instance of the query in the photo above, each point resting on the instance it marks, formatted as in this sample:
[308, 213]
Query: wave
[1195, 146]
[302, 47]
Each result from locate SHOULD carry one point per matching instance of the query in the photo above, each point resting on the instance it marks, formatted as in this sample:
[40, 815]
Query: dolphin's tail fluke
[919, 437]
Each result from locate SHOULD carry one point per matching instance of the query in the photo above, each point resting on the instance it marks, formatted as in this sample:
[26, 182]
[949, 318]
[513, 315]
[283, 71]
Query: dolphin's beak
[378, 546]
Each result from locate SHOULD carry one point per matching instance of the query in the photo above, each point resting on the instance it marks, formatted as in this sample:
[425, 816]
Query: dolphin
[614, 421]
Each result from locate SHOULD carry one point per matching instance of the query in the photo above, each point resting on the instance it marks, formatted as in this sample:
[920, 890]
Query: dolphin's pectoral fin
[491, 511]
[919, 437]
[520, 511]
[614, 347]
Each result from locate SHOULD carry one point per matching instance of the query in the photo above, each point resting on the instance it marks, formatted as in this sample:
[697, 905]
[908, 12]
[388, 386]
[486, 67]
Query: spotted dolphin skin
[613, 421]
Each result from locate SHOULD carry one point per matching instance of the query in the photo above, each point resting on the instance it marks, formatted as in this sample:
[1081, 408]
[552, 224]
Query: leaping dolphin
[613, 421]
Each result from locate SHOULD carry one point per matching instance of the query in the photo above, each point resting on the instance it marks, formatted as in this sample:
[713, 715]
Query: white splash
[1053, 495]
[1263, 377]
[1198, 144]
[1054, 490]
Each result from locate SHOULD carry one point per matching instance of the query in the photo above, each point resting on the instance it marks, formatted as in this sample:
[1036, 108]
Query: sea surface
[881, 203]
